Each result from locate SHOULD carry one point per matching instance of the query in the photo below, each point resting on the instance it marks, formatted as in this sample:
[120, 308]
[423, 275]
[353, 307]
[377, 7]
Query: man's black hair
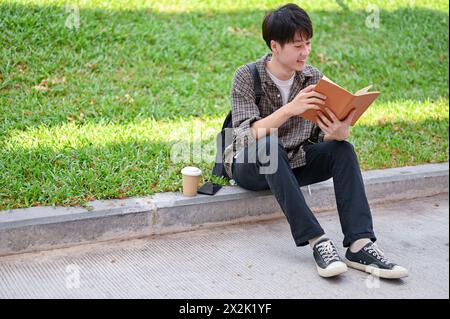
[282, 24]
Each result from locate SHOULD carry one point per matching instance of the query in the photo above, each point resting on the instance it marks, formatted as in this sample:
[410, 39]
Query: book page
[364, 90]
[327, 79]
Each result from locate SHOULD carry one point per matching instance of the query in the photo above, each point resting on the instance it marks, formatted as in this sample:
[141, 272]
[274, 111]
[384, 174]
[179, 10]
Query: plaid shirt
[245, 112]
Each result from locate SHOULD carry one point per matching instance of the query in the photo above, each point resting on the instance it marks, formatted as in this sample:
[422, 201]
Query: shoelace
[328, 251]
[377, 252]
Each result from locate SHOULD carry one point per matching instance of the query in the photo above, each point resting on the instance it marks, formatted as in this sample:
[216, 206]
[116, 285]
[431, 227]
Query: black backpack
[219, 169]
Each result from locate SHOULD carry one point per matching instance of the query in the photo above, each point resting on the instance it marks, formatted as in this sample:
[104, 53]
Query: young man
[299, 156]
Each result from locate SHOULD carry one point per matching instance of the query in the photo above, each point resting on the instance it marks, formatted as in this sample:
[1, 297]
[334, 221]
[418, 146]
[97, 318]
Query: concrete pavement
[256, 260]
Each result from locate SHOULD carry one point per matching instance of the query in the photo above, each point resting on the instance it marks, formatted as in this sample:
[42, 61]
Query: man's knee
[269, 144]
[342, 148]
[269, 152]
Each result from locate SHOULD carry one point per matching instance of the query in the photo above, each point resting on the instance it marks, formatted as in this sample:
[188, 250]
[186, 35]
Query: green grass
[93, 112]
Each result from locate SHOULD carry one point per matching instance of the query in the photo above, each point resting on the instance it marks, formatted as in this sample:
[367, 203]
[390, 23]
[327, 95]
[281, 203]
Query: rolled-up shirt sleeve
[244, 108]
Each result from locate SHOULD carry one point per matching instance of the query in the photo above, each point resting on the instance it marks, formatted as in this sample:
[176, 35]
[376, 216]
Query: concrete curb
[41, 228]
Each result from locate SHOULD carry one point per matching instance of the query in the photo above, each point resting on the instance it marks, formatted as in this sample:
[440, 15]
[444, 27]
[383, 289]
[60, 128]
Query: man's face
[294, 54]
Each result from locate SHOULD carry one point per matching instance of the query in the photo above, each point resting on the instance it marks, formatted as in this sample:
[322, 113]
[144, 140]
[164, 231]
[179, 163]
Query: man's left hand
[335, 129]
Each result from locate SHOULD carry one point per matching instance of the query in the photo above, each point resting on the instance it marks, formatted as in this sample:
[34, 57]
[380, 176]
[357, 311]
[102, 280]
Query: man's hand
[335, 129]
[306, 99]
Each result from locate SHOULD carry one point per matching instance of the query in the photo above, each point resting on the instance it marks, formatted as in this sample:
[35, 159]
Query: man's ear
[274, 46]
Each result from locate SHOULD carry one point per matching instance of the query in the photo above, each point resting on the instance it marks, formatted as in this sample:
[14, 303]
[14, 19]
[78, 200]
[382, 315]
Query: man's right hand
[306, 99]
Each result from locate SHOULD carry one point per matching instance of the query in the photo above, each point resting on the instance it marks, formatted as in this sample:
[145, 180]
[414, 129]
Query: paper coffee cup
[191, 180]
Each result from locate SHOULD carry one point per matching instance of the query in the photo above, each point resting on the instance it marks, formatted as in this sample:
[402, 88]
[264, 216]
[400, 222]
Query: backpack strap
[228, 122]
[256, 82]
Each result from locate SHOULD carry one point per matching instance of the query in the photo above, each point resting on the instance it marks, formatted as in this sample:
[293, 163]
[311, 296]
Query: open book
[340, 101]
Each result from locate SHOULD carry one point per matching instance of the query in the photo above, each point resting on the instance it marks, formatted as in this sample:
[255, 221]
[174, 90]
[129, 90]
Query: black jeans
[324, 160]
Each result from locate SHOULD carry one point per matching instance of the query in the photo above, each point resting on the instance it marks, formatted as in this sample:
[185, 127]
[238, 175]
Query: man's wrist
[331, 138]
[285, 110]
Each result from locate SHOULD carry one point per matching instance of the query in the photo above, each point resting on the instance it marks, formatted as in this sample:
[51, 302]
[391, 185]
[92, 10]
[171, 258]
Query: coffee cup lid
[191, 171]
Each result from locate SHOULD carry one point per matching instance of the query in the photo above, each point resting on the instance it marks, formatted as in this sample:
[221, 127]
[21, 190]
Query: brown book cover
[341, 102]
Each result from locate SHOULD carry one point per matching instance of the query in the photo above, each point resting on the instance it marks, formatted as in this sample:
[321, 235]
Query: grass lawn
[95, 111]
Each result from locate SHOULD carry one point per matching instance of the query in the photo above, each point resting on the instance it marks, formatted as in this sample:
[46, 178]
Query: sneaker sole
[335, 271]
[382, 273]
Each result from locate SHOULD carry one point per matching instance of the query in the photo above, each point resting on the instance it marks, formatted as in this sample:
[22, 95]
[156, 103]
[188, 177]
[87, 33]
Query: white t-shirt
[283, 86]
